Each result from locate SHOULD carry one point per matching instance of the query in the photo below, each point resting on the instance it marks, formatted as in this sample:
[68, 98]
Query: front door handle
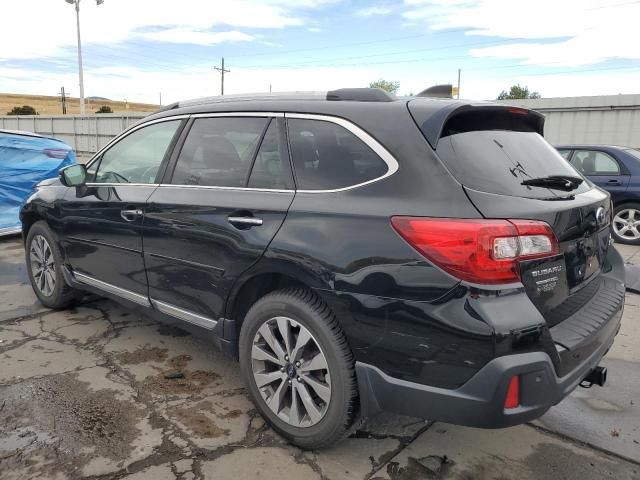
[614, 182]
[130, 215]
[245, 222]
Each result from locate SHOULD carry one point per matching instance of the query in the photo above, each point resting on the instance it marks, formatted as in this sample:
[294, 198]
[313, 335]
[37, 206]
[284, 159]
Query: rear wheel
[299, 368]
[44, 265]
[626, 224]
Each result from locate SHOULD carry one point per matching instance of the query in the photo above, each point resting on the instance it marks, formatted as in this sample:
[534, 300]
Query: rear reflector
[478, 250]
[512, 400]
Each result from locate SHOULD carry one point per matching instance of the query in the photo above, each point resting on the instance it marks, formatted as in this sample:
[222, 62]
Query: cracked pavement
[102, 392]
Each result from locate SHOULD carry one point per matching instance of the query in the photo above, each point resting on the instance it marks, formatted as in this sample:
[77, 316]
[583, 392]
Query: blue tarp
[24, 161]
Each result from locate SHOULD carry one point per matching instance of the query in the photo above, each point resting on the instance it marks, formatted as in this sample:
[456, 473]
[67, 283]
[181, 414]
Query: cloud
[133, 83]
[187, 36]
[315, 29]
[52, 22]
[373, 11]
[545, 32]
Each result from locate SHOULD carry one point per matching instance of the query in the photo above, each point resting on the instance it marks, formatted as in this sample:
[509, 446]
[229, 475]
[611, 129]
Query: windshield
[498, 161]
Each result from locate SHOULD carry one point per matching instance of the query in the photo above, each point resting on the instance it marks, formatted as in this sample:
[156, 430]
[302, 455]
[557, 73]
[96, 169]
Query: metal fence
[607, 119]
[86, 134]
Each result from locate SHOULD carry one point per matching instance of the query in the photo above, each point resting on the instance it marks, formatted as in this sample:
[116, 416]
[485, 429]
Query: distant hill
[50, 105]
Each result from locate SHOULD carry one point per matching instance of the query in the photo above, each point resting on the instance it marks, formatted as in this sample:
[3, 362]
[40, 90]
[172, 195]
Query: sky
[137, 50]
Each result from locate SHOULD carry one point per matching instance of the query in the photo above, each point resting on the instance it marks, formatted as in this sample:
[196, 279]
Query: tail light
[512, 400]
[478, 250]
[56, 153]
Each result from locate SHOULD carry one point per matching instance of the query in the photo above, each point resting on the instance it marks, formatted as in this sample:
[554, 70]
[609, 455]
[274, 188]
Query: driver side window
[138, 156]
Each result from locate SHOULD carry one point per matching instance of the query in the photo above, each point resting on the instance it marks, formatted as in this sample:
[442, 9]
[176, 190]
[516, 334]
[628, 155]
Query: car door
[224, 197]
[102, 220]
[603, 170]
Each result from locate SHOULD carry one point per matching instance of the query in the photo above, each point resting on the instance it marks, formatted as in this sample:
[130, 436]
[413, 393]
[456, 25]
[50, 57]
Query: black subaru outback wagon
[356, 252]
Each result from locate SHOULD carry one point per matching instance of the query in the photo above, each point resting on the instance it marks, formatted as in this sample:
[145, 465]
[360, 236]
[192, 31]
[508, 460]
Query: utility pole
[63, 99]
[458, 96]
[222, 72]
[76, 3]
[160, 98]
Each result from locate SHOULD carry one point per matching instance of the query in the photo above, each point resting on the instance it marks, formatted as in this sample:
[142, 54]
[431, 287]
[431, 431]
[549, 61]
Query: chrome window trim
[185, 315]
[210, 187]
[129, 131]
[371, 142]
[107, 287]
[154, 185]
[237, 114]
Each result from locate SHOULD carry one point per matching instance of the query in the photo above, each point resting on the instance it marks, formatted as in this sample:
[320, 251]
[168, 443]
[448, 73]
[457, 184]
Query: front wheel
[299, 369]
[44, 265]
[626, 224]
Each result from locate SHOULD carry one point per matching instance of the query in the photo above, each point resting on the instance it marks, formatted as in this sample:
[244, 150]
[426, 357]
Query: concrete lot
[85, 393]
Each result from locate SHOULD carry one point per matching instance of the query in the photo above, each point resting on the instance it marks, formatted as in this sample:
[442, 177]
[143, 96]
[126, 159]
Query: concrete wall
[608, 119]
[86, 134]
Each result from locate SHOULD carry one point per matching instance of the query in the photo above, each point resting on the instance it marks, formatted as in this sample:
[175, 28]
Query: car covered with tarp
[26, 159]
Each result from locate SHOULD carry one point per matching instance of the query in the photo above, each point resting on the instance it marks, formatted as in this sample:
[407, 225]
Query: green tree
[516, 92]
[104, 109]
[390, 86]
[23, 110]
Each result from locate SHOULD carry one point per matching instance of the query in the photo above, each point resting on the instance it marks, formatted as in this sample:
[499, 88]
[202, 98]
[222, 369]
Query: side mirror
[73, 175]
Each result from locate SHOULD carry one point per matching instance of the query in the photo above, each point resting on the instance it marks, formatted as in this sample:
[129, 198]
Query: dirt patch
[170, 331]
[231, 414]
[177, 379]
[198, 423]
[63, 417]
[144, 354]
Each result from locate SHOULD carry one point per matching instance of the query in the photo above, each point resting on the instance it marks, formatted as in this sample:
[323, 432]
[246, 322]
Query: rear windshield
[498, 161]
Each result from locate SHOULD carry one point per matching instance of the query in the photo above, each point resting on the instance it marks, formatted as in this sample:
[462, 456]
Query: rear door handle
[130, 215]
[245, 221]
[614, 182]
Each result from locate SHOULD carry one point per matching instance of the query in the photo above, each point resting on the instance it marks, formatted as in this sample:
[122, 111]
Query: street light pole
[80, 73]
[76, 3]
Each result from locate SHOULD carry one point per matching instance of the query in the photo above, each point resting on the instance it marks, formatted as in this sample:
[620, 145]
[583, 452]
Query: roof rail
[438, 91]
[359, 95]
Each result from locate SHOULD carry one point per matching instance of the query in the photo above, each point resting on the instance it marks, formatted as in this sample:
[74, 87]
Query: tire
[301, 310]
[56, 296]
[624, 216]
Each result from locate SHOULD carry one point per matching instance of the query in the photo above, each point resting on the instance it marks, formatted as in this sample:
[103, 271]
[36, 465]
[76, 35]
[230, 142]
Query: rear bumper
[479, 401]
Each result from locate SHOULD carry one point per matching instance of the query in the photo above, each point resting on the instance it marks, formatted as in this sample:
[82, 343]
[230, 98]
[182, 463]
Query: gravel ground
[84, 393]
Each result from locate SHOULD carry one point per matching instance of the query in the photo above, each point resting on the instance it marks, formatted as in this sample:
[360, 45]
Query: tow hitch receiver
[597, 376]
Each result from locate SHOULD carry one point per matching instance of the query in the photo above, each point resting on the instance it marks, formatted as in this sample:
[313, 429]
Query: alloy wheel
[291, 372]
[626, 224]
[42, 265]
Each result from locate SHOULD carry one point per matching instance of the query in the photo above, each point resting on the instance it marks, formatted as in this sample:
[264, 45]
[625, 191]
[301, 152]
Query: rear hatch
[499, 156]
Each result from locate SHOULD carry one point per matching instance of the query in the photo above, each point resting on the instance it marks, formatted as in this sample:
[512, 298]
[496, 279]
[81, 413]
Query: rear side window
[327, 156]
[218, 151]
[271, 167]
[498, 161]
[591, 162]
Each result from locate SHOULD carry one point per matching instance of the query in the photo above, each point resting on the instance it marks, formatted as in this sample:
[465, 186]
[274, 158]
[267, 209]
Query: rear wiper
[566, 183]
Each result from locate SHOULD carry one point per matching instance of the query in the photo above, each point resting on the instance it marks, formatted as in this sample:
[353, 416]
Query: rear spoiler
[437, 120]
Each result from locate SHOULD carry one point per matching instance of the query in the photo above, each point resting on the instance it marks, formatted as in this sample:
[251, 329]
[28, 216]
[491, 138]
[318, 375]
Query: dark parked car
[356, 252]
[616, 170]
